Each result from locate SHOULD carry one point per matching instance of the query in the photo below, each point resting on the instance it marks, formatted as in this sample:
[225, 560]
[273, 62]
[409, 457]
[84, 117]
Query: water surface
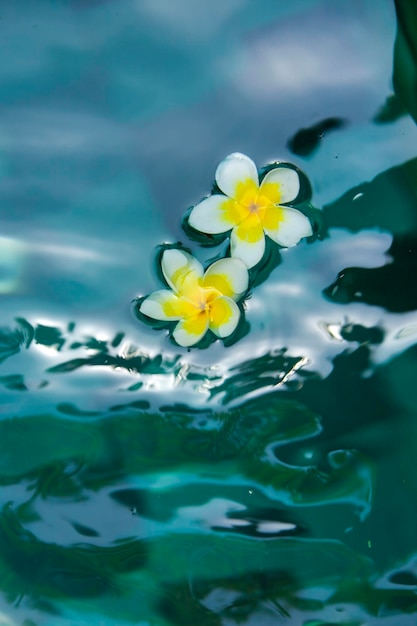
[265, 482]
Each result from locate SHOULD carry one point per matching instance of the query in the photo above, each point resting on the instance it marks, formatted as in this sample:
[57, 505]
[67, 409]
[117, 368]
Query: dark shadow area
[388, 202]
[405, 55]
[391, 287]
[307, 140]
[390, 111]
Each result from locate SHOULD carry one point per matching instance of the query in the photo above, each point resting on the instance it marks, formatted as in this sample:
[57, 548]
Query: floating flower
[250, 209]
[198, 300]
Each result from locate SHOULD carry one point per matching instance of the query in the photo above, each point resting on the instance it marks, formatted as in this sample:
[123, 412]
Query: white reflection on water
[194, 21]
[12, 260]
[213, 513]
[65, 132]
[290, 311]
[287, 312]
[69, 255]
[6, 620]
[293, 59]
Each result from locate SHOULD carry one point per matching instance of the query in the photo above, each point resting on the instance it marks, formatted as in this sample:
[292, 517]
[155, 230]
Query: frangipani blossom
[198, 300]
[251, 210]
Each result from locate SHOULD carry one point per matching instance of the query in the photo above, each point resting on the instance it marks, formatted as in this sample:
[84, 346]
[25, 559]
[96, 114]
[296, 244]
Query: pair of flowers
[249, 208]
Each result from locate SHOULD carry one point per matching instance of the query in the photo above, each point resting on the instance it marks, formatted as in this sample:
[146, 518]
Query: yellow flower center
[195, 298]
[256, 200]
[201, 306]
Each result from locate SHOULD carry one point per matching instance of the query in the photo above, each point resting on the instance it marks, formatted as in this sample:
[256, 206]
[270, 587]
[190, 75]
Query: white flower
[198, 300]
[250, 209]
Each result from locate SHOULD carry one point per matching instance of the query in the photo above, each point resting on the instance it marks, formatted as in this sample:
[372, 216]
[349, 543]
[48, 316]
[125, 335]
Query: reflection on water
[127, 502]
[153, 502]
[266, 482]
[11, 264]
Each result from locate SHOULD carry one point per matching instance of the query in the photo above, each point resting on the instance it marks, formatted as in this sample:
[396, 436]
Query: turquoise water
[269, 481]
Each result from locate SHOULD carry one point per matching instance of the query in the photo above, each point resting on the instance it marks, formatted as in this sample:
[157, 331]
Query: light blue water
[267, 482]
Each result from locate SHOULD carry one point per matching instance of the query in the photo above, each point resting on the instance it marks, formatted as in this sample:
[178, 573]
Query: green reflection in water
[200, 489]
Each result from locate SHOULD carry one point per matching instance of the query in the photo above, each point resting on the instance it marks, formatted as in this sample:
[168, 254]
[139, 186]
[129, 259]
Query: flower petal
[280, 185]
[235, 170]
[180, 269]
[190, 330]
[247, 241]
[162, 305]
[216, 214]
[229, 276]
[291, 226]
[224, 316]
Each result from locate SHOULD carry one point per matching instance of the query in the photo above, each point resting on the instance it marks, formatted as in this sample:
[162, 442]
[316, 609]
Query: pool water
[262, 481]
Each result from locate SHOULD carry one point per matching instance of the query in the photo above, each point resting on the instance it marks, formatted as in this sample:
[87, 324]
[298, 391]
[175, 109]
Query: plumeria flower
[250, 209]
[198, 300]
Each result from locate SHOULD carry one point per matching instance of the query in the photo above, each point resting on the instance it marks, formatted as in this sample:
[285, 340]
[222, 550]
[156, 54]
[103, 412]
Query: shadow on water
[357, 284]
[307, 140]
[387, 202]
[405, 55]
